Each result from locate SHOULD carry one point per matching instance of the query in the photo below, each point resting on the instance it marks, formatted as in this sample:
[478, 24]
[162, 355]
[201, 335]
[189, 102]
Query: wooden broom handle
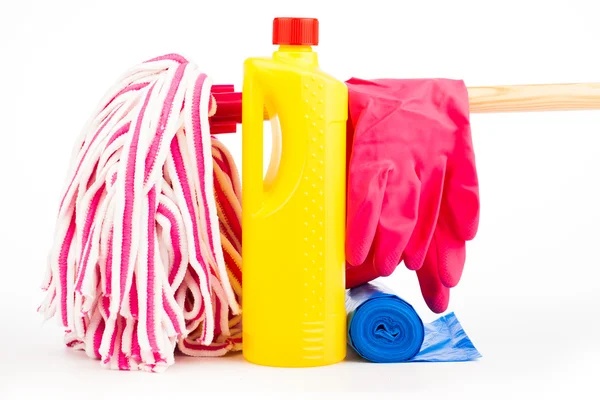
[553, 97]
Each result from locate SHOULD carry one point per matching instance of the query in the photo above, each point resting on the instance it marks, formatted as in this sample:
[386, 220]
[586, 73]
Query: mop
[146, 251]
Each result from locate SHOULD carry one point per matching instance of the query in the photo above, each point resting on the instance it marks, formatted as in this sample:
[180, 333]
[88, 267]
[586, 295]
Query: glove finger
[462, 189]
[357, 275]
[429, 207]
[452, 264]
[462, 195]
[397, 221]
[435, 294]
[366, 190]
[451, 254]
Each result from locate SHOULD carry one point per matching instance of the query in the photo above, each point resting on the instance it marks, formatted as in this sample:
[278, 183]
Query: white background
[530, 294]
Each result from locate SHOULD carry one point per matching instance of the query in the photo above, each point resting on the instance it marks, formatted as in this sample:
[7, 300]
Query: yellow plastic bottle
[294, 219]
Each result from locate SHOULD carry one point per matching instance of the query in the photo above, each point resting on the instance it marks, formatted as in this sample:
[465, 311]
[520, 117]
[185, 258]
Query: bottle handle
[252, 142]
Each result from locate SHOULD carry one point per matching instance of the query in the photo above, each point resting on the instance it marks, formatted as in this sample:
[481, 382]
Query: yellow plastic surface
[294, 222]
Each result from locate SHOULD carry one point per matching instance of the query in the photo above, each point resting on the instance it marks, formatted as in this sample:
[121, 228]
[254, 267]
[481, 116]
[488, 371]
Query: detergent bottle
[293, 218]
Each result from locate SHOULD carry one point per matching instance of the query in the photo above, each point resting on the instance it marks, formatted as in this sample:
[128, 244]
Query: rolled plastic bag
[384, 328]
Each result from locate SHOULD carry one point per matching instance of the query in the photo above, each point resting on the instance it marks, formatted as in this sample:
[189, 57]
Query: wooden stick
[553, 97]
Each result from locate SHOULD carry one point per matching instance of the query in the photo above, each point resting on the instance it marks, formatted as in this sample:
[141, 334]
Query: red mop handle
[229, 109]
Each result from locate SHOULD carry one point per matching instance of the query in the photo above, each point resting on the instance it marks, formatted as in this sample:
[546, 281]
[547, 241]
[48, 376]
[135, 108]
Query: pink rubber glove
[457, 223]
[410, 155]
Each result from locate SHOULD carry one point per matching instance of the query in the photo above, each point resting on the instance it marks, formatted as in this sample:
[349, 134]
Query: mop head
[146, 254]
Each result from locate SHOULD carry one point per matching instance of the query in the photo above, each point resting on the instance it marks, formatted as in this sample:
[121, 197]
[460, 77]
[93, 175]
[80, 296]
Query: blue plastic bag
[384, 328]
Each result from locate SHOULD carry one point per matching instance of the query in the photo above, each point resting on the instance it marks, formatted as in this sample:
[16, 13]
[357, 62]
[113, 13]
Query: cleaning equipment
[412, 183]
[146, 256]
[137, 265]
[384, 328]
[293, 253]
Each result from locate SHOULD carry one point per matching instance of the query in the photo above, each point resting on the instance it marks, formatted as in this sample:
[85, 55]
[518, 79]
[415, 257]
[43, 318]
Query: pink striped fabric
[146, 256]
[227, 194]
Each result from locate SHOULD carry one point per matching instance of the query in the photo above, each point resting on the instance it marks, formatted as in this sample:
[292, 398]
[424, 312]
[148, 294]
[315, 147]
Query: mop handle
[548, 97]
[482, 99]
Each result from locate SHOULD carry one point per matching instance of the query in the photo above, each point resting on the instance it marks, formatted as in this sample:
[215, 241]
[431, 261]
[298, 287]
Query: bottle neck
[294, 48]
[303, 54]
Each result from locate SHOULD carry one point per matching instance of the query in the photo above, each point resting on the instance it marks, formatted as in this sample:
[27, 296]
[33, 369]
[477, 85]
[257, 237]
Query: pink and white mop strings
[137, 263]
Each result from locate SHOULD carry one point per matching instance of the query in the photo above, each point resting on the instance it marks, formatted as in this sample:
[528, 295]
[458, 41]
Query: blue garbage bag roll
[384, 328]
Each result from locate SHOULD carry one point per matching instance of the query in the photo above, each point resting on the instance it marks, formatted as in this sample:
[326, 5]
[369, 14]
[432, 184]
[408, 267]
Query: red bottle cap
[296, 31]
